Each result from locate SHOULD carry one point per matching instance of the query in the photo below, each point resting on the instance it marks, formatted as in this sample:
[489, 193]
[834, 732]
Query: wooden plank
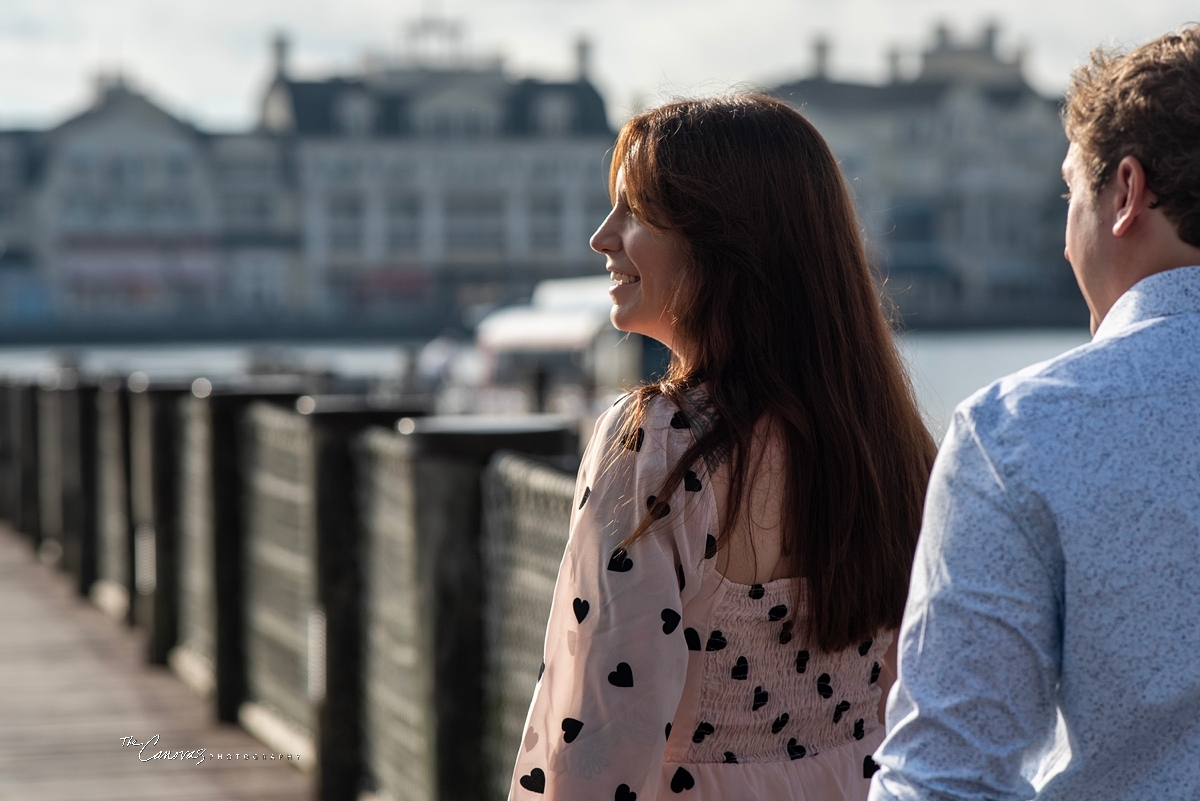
[73, 682]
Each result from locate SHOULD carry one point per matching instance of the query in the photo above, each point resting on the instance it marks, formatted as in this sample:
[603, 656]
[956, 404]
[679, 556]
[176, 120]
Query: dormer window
[356, 114]
[458, 112]
[553, 113]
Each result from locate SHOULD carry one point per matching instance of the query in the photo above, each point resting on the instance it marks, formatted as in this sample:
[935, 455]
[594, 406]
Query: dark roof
[824, 94]
[30, 146]
[835, 95]
[314, 106]
[589, 116]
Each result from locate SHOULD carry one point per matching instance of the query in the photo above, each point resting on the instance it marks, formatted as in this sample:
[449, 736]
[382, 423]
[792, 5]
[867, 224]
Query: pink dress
[662, 679]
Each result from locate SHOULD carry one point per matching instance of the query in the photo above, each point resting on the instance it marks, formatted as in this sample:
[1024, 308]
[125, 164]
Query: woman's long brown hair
[780, 318]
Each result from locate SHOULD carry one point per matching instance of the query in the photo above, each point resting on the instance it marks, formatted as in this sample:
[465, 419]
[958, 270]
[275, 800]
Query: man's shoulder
[1044, 394]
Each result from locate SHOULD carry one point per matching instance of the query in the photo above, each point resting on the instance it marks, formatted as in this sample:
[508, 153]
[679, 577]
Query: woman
[743, 529]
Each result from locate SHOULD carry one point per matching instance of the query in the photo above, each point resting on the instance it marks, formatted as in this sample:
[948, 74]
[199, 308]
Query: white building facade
[414, 197]
[956, 176]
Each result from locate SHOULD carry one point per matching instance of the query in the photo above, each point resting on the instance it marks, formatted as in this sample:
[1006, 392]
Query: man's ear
[1133, 197]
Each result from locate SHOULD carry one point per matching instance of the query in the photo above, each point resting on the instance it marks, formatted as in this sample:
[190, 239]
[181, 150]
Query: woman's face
[645, 266]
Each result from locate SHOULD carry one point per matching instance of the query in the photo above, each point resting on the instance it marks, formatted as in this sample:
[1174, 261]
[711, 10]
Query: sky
[208, 60]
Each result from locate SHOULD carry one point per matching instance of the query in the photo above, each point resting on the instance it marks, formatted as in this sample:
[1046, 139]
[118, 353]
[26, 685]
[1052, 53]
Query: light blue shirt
[1058, 571]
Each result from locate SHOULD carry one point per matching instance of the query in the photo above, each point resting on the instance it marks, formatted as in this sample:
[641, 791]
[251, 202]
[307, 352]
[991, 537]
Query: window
[356, 114]
[553, 112]
[345, 223]
[247, 210]
[545, 222]
[475, 225]
[403, 225]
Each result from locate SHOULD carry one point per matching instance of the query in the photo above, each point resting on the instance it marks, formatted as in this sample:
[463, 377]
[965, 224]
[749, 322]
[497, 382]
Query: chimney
[821, 58]
[583, 59]
[279, 48]
[991, 32]
[893, 57]
[943, 37]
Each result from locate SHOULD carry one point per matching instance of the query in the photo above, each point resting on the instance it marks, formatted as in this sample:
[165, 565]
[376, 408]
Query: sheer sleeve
[616, 656]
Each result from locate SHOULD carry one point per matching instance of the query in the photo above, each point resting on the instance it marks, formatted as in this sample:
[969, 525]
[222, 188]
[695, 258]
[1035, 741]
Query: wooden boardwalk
[73, 683]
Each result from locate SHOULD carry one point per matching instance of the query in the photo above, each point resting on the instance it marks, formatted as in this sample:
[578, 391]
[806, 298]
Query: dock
[76, 695]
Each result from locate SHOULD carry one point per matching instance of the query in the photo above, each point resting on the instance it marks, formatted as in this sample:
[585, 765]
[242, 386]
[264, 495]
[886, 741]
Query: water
[946, 367]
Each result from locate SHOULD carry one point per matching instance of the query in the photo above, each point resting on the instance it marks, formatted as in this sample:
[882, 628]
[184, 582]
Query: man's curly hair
[1145, 104]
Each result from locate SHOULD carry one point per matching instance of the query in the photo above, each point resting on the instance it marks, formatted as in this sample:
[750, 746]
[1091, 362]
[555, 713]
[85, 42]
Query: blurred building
[418, 194]
[956, 175]
[427, 189]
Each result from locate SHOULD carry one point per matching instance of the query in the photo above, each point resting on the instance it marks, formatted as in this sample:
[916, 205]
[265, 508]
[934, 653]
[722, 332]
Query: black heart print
[622, 676]
[874, 673]
[679, 421]
[581, 609]
[692, 638]
[587, 493]
[541, 670]
[757, 591]
[679, 575]
[866, 646]
[670, 619]
[842, 708]
[710, 547]
[624, 793]
[778, 612]
[668, 731]
[658, 510]
[633, 442]
[730, 758]
[741, 669]
[795, 751]
[716, 641]
[779, 723]
[620, 562]
[823, 688]
[571, 728]
[870, 767]
[802, 661]
[691, 482]
[785, 634]
[682, 780]
[858, 729]
[702, 731]
[534, 781]
[761, 697]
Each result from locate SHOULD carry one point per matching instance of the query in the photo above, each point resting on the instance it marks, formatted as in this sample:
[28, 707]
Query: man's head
[1133, 168]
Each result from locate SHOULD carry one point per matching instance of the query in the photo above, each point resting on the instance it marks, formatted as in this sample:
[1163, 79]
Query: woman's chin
[619, 317]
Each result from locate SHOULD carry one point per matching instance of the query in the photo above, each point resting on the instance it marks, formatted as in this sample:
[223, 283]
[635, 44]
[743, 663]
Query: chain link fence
[526, 512]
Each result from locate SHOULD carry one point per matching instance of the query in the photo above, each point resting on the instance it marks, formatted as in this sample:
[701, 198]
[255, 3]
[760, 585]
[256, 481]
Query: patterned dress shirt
[1057, 576]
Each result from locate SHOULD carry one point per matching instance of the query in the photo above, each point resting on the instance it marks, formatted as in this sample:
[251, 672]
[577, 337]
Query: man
[1058, 569]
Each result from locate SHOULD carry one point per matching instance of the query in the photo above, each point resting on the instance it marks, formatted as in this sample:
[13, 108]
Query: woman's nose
[606, 239]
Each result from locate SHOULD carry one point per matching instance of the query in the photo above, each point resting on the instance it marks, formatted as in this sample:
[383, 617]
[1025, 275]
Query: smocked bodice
[763, 694]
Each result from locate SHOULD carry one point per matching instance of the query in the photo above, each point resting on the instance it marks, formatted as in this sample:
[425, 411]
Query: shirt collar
[1175, 291]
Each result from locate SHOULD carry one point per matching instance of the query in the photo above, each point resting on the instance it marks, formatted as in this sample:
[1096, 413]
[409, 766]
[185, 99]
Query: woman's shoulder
[624, 424]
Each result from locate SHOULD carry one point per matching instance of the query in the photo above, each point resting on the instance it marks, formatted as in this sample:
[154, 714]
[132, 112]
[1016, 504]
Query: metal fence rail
[422, 513]
[195, 657]
[20, 455]
[113, 590]
[154, 505]
[526, 512]
[304, 578]
[281, 583]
